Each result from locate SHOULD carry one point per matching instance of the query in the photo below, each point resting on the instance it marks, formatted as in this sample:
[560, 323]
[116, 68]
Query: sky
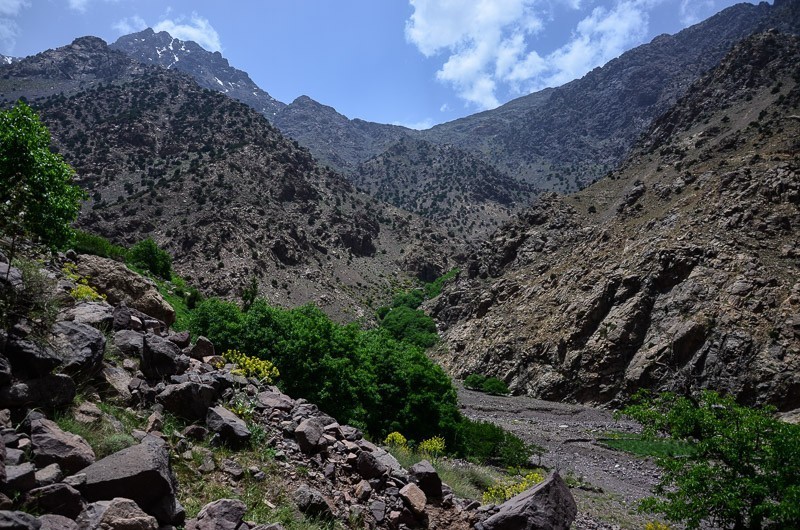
[407, 62]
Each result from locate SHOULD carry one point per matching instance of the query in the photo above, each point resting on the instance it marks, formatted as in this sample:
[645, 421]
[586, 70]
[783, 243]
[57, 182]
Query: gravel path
[613, 481]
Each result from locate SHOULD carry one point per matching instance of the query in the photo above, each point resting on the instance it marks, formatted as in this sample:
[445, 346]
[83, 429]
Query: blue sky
[410, 62]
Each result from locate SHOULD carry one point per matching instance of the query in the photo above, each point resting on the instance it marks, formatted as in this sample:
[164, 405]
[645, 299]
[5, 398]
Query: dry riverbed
[612, 481]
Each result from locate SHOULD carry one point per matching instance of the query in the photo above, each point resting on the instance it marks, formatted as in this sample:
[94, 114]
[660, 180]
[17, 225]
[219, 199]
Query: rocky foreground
[97, 362]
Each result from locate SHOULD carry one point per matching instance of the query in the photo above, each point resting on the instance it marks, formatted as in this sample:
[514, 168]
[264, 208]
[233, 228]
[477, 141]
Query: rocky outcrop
[546, 506]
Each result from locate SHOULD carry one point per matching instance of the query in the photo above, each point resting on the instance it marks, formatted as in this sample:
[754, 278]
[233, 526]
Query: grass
[103, 436]
[639, 445]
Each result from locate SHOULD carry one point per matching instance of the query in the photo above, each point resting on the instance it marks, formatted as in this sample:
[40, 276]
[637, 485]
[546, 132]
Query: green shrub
[147, 255]
[409, 299]
[86, 243]
[743, 471]
[474, 381]
[494, 386]
[411, 325]
[434, 289]
[219, 321]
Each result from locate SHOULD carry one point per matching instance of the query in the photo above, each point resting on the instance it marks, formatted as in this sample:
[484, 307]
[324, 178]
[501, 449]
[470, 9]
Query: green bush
[86, 243]
[485, 442]
[494, 386]
[219, 321]
[744, 471]
[474, 381]
[410, 299]
[147, 255]
[434, 289]
[411, 325]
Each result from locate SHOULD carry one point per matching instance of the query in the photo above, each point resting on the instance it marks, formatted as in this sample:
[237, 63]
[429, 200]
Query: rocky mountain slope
[457, 191]
[215, 184]
[564, 138]
[210, 70]
[678, 271]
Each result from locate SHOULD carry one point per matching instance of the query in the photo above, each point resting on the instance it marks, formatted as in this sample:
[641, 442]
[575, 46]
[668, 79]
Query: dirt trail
[569, 434]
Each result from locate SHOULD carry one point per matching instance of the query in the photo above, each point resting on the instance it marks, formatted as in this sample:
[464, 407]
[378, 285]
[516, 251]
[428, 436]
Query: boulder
[60, 499]
[180, 338]
[20, 478]
[309, 435]
[222, 514]
[96, 314]
[120, 284]
[141, 473]
[29, 359]
[18, 521]
[414, 498]
[130, 343]
[228, 425]
[370, 467]
[202, 348]
[117, 382]
[425, 476]
[48, 475]
[312, 503]
[51, 521]
[273, 399]
[188, 400]
[51, 445]
[116, 514]
[161, 358]
[50, 391]
[5, 371]
[546, 506]
[79, 345]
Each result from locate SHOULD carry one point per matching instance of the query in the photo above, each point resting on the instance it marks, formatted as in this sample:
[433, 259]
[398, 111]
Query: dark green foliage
[249, 293]
[86, 243]
[410, 299]
[434, 289]
[485, 442]
[474, 381]
[411, 325]
[37, 197]
[219, 321]
[147, 255]
[494, 386]
[743, 471]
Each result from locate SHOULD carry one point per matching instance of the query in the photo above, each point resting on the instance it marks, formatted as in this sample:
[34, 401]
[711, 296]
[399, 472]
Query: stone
[309, 435]
[116, 514]
[29, 359]
[414, 498]
[80, 345]
[5, 371]
[546, 506]
[48, 392]
[188, 400]
[141, 473]
[161, 358]
[87, 413]
[273, 399]
[18, 521]
[21, 478]
[195, 432]
[202, 348]
[5, 502]
[129, 343]
[48, 475]
[180, 338]
[122, 317]
[51, 445]
[60, 499]
[232, 469]
[14, 457]
[363, 491]
[228, 425]
[51, 521]
[312, 503]
[222, 514]
[155, 422]
[120, 284]
[425, 476]
[378, 510]
[99, 315]
[369, 467]
[117, 382]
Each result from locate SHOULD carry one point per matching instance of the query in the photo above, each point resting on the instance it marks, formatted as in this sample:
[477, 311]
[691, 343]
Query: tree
[37, 196]
[147, 255]
[743, 471]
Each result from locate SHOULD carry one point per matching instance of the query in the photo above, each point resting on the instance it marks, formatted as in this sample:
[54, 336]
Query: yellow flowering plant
[261, 369]
[500, 493]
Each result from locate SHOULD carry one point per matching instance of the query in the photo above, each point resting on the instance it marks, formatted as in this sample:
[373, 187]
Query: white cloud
[487, 45]
[427, 123]
[9, 29]
[693, 11]
[129, 25]
[196, 28]
[11, 8]
[78, 5]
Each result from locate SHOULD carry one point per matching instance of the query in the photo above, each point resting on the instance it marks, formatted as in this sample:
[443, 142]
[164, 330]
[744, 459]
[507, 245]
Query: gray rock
[546, 506]
[117, 382]
[60, 499]
[21, 478]
[222, 514]
[369, 467]
[202, 348]
[188, 400]
[425, 476]
[273, 399]
[309, 435]
[232, 468]
[129, 343]
[161, 358]
[378, 510]
[116, 514]
[180, 338]
[5, 371]
[18, 521]
[51, 391]
[230, 427]
[81, 346]
[30, 359]
[48, 475]
[51, 521]
[312, 503]
[122, 317]
[141, 473]
[14, 457]
[96, 314]
[51, 445]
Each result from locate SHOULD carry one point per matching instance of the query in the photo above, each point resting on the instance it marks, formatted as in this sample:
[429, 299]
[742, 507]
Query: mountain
[458, 191]
[5, 59]
[678, 271]
[566, 137]
[210, 70]
[214, 183]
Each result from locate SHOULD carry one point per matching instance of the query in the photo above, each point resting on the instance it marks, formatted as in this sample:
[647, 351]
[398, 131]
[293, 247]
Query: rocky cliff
[678, 271]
